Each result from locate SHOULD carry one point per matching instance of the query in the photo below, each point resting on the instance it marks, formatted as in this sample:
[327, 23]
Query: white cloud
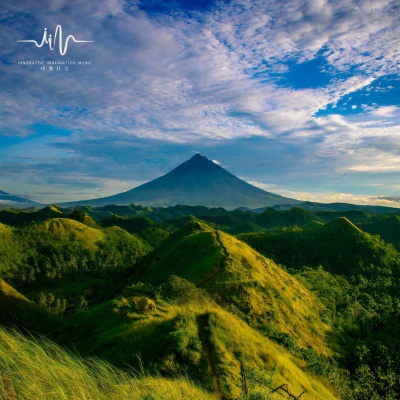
[210, 78]
[385, 111]
[323, 197]
[180, 79]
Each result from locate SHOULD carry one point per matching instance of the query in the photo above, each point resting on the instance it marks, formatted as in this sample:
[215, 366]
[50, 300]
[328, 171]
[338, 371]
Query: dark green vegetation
[307, 299]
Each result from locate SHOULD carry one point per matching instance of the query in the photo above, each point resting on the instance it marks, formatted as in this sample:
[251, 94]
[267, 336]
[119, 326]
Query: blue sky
[301, 98]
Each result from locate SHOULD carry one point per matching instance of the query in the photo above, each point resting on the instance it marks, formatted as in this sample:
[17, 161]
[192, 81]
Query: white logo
[51, 41]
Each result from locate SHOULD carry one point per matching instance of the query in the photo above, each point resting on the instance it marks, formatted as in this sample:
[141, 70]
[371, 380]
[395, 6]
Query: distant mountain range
[198, 181]
[313, 206]
[12, 200]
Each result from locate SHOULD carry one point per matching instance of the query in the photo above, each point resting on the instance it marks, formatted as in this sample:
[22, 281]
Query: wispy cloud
[210, 75]
[323, 197]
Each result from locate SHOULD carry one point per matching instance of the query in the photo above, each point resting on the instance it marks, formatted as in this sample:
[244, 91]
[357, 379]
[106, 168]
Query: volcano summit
[196, 182]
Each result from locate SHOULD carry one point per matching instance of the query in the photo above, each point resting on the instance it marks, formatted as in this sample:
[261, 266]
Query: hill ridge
[238, 277]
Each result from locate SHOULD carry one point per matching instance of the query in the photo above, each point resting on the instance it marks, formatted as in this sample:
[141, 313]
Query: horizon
[56, 203]
[301, 99]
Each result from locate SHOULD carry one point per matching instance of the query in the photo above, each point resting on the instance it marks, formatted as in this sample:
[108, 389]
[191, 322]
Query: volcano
[196, 182]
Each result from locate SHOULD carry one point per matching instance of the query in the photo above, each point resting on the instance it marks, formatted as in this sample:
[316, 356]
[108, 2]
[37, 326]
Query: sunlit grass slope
[4, 230]
[70, 230]
[232, 342]
[39, 369]
[240, 302]
[241, 299]
[242, 280]
[65, 230]
[196, 337]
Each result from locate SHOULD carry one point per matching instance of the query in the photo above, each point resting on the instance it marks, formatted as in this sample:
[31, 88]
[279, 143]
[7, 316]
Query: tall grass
[36, 368]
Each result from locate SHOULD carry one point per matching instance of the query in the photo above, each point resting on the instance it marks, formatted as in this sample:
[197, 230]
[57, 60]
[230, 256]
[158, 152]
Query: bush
[180, 290]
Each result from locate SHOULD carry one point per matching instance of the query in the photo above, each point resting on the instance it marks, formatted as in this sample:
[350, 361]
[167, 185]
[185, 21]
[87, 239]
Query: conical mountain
[198, 181]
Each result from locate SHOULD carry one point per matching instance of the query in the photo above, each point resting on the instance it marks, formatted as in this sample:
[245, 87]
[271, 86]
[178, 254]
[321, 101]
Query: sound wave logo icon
[51, 40]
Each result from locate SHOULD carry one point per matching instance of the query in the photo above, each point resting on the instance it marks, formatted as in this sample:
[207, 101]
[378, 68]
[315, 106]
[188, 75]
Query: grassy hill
[240, 279]
[388, 228]
[45, 255]
[22, 218]
[220, 306]
[197, 337]
[68, 230]
[18, 311]
[339, 246]
[272, 218]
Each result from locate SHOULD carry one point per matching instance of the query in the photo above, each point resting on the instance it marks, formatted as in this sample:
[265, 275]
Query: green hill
[22, 218]
[218, 307]
[144, 227]
[196, 337]
[240, 279]
[272, 218]
[16, 310]
[339, 246]
[68, 230]
[219, 304]
[59, 250]
[388, 228]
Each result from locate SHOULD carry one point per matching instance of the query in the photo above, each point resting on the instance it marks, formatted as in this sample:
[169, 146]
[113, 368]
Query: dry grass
[32, 368]
[233, 340]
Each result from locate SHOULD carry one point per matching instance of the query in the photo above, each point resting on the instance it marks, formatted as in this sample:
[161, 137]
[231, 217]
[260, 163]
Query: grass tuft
[36, 368]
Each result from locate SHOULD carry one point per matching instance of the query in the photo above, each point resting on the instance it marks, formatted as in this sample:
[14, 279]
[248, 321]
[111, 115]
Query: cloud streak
[209, 75]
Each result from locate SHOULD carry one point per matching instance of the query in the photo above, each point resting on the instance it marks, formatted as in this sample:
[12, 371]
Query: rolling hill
[339, 246]
[18, 311]
[388, 228]
[220, 307]
[239, 278]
